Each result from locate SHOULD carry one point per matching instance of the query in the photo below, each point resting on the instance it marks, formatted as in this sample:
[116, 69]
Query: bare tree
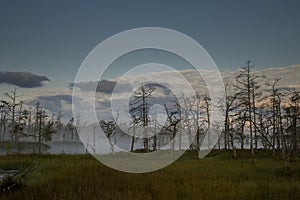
[13, 103]
[207, 106]
[44, 129]
[240, 123]
[139, 109]
[289, 138]
[246, 92]
[293, 118]
[4, 117]
[276, 115]
[188, 117]
[109, 128]
[133, 128]
[174, 117]
[229, 107]
[71, 128]
[196, 114]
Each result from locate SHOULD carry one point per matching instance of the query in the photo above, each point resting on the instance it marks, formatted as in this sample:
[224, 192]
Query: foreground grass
[217, 176]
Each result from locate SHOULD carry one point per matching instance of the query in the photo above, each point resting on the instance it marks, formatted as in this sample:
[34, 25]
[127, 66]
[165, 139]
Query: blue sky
[51, 38]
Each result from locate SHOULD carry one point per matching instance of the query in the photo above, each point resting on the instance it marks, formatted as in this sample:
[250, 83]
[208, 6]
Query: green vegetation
[218, 176]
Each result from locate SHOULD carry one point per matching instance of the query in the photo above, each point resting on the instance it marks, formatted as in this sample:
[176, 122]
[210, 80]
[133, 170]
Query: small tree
[5, 109]
[174, 117]
[109, 128]
[13, 103]
[207, 106]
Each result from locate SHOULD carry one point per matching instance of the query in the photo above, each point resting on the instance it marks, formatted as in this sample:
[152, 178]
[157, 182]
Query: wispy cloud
[104, 86]
[55, 101]
[54, 104]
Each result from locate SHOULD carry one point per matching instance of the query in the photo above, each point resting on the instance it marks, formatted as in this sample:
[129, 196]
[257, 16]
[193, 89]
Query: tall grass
[217, 176]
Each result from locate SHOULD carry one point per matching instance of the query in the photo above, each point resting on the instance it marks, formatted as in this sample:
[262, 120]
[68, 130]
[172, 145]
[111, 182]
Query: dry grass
[217, 176]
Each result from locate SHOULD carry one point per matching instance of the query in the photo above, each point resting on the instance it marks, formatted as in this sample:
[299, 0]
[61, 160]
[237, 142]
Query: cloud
[104, 86]
[57, 103]
[62, 101]
[22, 79]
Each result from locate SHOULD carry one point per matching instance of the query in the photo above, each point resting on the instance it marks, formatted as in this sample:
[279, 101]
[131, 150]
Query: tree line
[257, 115]
[20, 122]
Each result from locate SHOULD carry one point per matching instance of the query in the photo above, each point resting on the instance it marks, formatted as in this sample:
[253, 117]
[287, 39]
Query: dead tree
[139, 109]
[293, 118]
[188, 118]
[196, 115]
[44, 129]
[109, 128]
[207, 106]
[4, 118]
[13, 103]
[246, 93]
[229, 106]
[174, 117]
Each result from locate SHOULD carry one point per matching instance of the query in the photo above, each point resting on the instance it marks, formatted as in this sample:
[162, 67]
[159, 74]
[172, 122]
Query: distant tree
[229, 107]
[155, 132]
[77, 127]
[27, 121]
[39, 126]
[44, 129]
[174, 117]
[276, 116]
[13, 103]
[188, 118]
[5, 109]
[264, 125]
[197, 117]
[207, 108]
[59, 126]
[48, 131]
[132, 128]
[293, 118]
[240, 123]
[71, 128]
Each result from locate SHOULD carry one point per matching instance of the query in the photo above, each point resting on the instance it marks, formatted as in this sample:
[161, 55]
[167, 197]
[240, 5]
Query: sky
[52, 38]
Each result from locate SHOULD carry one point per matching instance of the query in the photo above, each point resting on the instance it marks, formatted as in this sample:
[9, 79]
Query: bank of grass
[218, 176]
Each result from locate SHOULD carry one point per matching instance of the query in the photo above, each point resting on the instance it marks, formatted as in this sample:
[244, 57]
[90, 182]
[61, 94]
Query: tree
[4, 107]
[196, 114]
[276, 115]
[48, 131]
[133, 128]
[240, 123]
[13, 103]
[44, 129]
[174, 117]
[139, 110]
[27, 117]
[109, 128]
[228, 127]
[71, 128]
[206, 106]
[293, 117]
[187, 118]
[247, 86]
[289, 139]
[58, 126]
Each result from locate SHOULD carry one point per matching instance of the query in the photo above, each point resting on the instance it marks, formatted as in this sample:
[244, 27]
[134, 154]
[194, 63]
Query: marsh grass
[218, 176]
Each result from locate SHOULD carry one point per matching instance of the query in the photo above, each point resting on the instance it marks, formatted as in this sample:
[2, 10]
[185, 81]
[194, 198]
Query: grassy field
[218, 176]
